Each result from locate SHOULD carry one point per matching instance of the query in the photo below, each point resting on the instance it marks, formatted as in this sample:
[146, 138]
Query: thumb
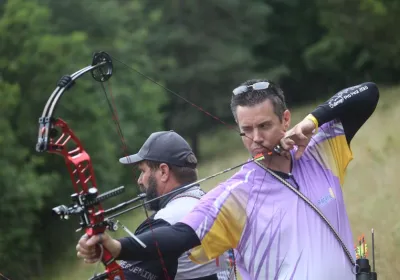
[301, 136]
[95, 239]
[296, 134]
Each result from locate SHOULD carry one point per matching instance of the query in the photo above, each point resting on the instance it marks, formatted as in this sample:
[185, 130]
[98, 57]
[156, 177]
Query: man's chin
[152, 205]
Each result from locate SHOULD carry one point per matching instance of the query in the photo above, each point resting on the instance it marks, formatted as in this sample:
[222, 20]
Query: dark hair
[253, 97]
[184, 175]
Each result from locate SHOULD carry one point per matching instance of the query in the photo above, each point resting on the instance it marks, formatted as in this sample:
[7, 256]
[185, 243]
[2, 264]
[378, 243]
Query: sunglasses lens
[256, 86]
[239, 90]
[260, 85]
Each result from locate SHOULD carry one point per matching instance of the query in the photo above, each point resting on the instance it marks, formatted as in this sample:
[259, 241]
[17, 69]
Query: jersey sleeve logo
[326, 198]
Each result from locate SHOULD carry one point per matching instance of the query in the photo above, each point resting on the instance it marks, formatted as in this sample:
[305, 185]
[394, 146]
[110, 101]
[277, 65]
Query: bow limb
[3, 277]
[86, 199]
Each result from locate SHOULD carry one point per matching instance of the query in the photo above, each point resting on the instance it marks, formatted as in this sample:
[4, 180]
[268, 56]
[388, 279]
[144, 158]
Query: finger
[85, 256]
[300, 135]
[87, 252]
[289, 134]
[82, 254]
[91, 260]
[83, 247]
[300, 151]
[83, 241]
[95, 239]
[287, 143]
[303, 137]
[84, 238]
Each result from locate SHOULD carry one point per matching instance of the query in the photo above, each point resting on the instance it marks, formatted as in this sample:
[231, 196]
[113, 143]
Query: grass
[371, 188]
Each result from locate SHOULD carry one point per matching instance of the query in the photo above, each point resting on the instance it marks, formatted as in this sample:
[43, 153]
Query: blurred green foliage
[201, 50]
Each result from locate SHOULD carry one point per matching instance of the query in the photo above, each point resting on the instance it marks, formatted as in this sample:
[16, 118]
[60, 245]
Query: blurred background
[201, 50]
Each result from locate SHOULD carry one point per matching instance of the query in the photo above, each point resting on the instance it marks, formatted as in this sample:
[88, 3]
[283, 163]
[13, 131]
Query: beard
[151, 193]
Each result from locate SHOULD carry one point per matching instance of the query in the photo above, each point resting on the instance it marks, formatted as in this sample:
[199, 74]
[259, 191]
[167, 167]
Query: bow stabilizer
[55, 136]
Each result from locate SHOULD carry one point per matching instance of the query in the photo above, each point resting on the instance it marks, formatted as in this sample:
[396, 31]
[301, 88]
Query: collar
[178, 190]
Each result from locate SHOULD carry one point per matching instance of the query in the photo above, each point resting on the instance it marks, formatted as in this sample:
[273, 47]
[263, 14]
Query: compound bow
[86, 199]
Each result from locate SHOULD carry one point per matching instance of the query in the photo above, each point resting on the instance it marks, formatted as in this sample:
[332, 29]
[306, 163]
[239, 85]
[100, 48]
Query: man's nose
[257, 137]
[139, 180]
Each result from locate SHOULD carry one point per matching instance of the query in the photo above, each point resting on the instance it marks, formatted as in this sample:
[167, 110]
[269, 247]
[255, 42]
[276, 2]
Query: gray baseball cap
[163, 146]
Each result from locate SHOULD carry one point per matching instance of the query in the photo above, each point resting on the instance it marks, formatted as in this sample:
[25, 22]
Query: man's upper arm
[339, 118]
[352, 106]
[356, 114]
[331, 149]
[218, 221]
[143, 269]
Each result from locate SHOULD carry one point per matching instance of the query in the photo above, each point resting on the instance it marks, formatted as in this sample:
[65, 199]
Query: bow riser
[77, 159]
[82, 175]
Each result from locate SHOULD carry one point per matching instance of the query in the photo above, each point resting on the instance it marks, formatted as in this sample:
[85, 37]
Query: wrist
[314, 120]
[115, 248]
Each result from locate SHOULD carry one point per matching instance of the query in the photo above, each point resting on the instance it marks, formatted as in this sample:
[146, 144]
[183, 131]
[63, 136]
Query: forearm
[170, 241]
[352, 106]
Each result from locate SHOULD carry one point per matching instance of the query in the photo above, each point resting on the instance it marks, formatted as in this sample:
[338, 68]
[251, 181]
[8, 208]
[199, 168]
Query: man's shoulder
[329, 130]
[179, 206]
[330, 149]
[196, 192]
[151, 223]
[240, 183]
[184, 203]
[245, 175]
[242, 179]
[330, 137]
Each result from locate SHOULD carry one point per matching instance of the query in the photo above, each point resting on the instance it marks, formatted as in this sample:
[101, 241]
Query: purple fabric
[278, 235]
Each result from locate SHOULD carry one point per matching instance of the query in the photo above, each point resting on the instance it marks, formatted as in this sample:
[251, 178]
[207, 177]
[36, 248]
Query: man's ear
[165, 172]
[286, 119]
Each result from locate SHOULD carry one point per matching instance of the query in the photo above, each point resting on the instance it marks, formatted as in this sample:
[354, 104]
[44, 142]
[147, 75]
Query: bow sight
[82, 202]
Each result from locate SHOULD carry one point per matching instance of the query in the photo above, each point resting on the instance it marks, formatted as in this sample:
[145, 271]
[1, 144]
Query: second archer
[167, 163]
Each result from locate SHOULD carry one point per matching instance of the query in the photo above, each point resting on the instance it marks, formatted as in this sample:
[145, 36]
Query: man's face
[148, 184]
[262, 125]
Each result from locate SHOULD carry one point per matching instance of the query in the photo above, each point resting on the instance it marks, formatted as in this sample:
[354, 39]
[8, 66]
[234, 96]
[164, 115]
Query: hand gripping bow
[86, 201]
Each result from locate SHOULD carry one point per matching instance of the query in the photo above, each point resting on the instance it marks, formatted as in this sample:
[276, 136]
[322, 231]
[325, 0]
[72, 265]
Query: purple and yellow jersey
[276, 235]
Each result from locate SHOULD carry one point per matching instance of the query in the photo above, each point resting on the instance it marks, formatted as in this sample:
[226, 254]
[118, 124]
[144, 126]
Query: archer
[167, 163]
[269, 211]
